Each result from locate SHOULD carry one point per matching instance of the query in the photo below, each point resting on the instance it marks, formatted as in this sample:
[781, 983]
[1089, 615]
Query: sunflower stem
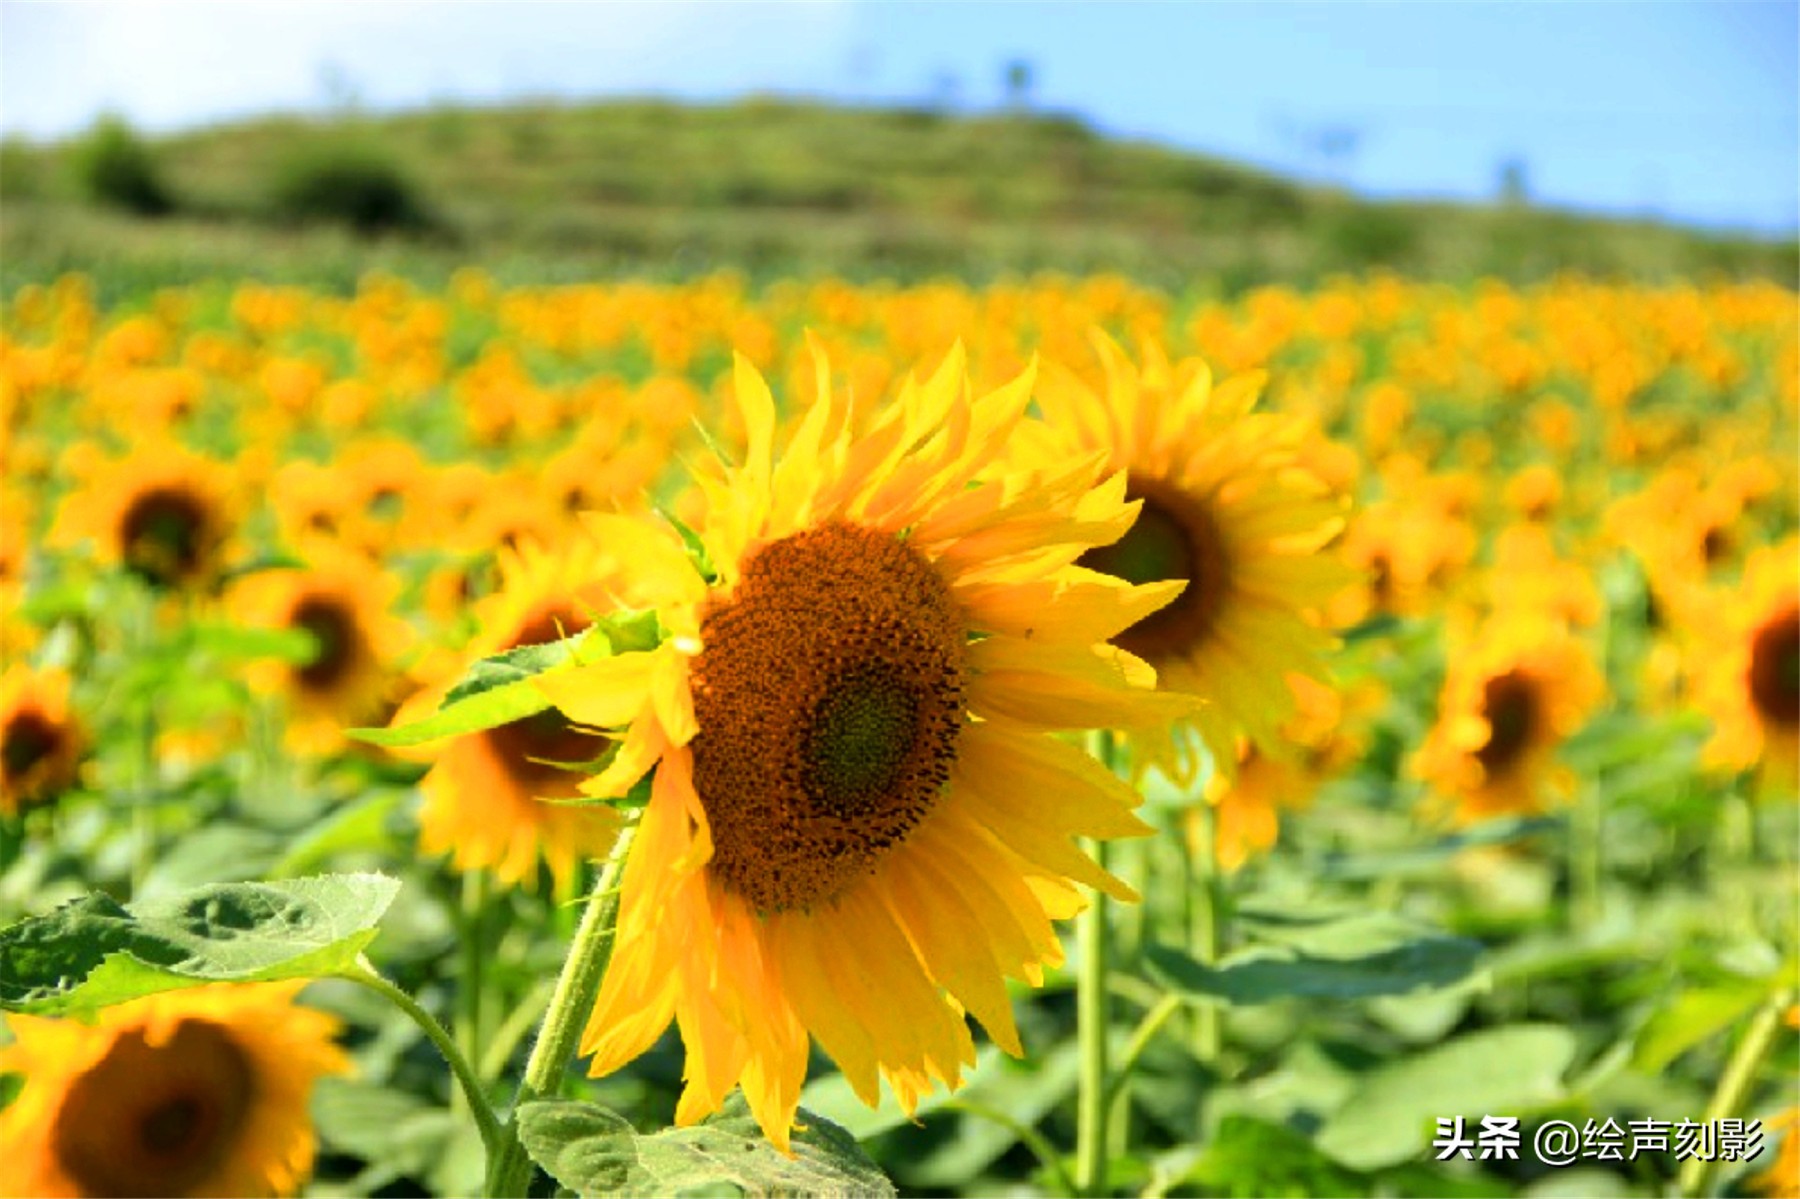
[1734, 1085]
[1207, 931]
[479, 1107]
[1587, 832]
[474, 903]
[1091, 1015]
[509, 1167]
[1141, 1038]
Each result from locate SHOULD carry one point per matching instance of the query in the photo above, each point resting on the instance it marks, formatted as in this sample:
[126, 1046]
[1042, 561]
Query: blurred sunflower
[195, 1092]
[856, 805]
[1247, 802]
[1231, 508]
[1516, 689]
[1409, 554]
[162, 512]
[482, 794]
[1746, 667]
[344, 604]
[41, 742]
[1528, 572]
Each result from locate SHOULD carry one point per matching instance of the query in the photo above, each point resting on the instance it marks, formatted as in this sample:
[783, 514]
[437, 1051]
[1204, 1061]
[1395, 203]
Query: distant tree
[1514, 182]
[1019, 79]
[115, 167]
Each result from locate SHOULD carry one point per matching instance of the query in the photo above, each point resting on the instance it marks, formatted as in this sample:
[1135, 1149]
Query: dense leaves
[95, 952]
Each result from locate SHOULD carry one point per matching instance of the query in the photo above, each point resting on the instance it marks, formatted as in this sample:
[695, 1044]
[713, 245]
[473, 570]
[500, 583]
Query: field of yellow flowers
[1053, 737]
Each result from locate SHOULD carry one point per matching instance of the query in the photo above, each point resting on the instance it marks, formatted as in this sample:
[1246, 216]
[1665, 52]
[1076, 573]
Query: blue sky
[1690, 111]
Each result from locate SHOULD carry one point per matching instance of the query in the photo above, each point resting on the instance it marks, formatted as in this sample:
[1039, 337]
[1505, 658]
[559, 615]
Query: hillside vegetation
[547, 192]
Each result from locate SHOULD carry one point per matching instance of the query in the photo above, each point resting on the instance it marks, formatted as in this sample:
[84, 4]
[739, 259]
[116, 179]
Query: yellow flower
[162, 512]
[1409, 555]
[1232, 508]
[196, 1092]
[1528, 572]
[482, 796]
[41, 744]
[859, 825]
[1747, 667]
[345, 605]
[1514, 692]
[1247, 802]
[1782, 1178]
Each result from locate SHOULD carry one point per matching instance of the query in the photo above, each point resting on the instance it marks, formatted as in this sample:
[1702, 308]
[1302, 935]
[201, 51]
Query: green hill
[550, 192]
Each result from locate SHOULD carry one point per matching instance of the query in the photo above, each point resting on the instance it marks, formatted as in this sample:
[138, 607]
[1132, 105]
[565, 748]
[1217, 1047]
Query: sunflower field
[1050, 737]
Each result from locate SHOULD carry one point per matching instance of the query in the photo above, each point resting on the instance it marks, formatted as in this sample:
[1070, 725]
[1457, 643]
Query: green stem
[1736, 843]
[1734, 1085]
[474, 903]
[509, 1167]
[1091, 1017]
[483, 1112]
[1027, 1136]
[1587, 834]
[1145, 1033]
[512, 1030]
[1207, 931]
[143, 816]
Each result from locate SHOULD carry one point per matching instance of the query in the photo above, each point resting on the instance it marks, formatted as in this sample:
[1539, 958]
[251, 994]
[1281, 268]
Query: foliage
[115, 167]
[1295, 1025]
[348, 181]
[774, 186]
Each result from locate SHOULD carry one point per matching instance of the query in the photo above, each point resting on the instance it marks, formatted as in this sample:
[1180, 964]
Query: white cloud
[183, 62]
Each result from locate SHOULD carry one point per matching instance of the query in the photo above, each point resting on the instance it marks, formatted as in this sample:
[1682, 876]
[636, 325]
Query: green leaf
[1350, 958]
[498, 690]
[361, 825]
[1378, 625]
[294, 646]
[495, 691]
[1248, 1157]
[1428, 859]
[697, 552]
[1391, 1115]
[1694, 1015]
[593, 1151]
[92, 953]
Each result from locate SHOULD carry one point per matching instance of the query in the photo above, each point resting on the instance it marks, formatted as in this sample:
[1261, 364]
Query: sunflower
[195, 1092]
[1409, 554]
[343, 603]
[858, 824]
[1248, 801]
[1747, 668]
[1229, 506]
[162, 512]
[1528, 572]
[482, 794]
[40, 742]
[1516, 689]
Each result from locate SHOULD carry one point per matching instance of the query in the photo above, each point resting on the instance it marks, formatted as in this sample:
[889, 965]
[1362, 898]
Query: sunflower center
[156, 1120]
[1775, 669]
[858, 741]
[830, 698]
[30, 738]
[1174, 537]
[1510, 705]
[333, 627]
[526, 747]
[160, 535]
